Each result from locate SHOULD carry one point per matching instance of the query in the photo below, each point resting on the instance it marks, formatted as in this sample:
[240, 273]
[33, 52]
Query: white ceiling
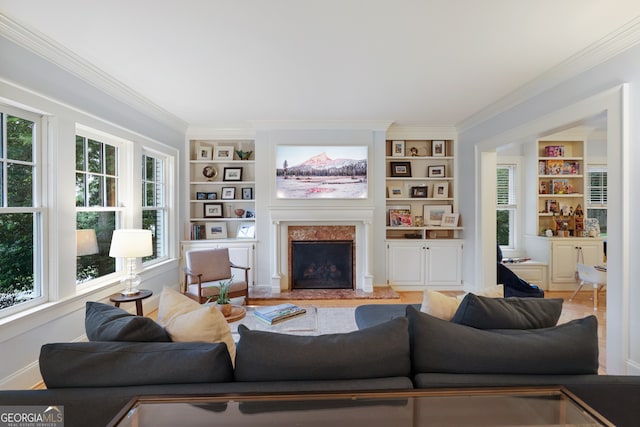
[429, 62]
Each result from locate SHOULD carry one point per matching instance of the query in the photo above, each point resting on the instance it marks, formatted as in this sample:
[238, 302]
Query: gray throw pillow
[104, 322]
[508, 313]
[439, 346]
[376, 352]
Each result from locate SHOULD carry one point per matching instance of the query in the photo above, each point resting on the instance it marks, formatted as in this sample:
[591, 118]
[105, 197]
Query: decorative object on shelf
[203, 152]
[401, 169]
[397, 148]
[249, 213]
[395, 191]
[246, 230]
[212, 196]
[131, 244]
[228, 193]
[450, 219]
[209, 172]
[223, 152]
[441, 190]
[239, 212]
[213, 210]
[418, 221]
[433, 214]
[421, 191]
[247, 193]
[554, 151]
[200, 195]
[591, 227]
[216, 230]
[244, 155]
[438, 149]
[436, 171]
[400, 218]
[232, 174]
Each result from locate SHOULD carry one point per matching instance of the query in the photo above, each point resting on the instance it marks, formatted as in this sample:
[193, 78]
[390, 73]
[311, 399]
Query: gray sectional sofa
[396, 348]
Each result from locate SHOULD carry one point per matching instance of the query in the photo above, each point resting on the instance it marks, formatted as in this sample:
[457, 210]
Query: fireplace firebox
[322, 264]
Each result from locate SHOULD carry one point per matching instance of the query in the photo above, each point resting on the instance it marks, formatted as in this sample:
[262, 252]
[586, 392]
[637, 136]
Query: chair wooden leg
[576, 291]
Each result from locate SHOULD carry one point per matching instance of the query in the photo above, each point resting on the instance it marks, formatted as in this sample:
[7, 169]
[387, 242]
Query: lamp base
[128, 292]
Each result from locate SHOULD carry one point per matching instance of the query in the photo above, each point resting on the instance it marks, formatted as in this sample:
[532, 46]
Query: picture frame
[213, 210]
[401, 169]
[433, 214]
[420, 192]
[223, 152]
[216, 230]
[201, 195]
[400, 218]
[438, 148]
[228, 193]
[212, 196]
[203, 152]
[396, 207]
[397, 148]
[247, 193]
[232, 174]
[441, 190]
[438, 171]
[249, 213]
[209, 172]
[395, 190]
[246, 230]
[450, 220]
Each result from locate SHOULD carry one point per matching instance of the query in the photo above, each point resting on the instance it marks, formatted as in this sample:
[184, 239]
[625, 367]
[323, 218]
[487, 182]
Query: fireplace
[322, 264]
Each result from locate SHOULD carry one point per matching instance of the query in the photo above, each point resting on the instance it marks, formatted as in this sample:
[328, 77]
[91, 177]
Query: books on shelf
[278, 313]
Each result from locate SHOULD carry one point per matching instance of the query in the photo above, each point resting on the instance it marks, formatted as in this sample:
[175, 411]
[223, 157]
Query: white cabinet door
[443, 261]
[564, 257]
[405, 263]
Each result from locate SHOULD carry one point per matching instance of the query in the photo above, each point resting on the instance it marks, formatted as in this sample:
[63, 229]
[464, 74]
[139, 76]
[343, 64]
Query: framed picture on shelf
[441, 190]
[420, 192]
[400, 218]
[212, 196]
[401, 169]
[213, 210]
[247, 193]
[223, 152]
[395, 191]
[209, 172]
[246, 230]
[203, 152]
[397, 148]
[438, 149]
[390, 208]
[436, 171]
[433, 214]
[200, 195]
[228, 193]
[249, 213]
[216, 230]
[232, 174]
[450, 219]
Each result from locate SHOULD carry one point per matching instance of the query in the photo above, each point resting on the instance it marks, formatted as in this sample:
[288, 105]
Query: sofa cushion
[376, 352]
[104, 322]
[446, 347]
[508, 313]
[112, 364]
[188, 321]
[368, 315]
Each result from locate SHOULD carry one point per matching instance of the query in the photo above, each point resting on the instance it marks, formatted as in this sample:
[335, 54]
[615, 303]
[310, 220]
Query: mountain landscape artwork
[321, 172]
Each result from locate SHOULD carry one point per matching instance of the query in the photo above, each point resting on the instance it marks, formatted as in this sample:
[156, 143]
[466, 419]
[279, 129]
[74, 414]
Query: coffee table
[548, 406]
[305, 324]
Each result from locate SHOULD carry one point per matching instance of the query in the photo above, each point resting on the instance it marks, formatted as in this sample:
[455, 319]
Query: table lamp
[86, 242]
[131, 244]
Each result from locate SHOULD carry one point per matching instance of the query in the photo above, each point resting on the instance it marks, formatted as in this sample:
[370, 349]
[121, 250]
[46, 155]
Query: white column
[276, 276]
[367, 284]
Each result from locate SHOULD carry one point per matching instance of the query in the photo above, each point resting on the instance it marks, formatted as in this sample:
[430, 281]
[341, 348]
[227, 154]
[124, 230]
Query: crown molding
[422, 132]
[228, 131]
[62, 57]
[606, 48]
[375, 125]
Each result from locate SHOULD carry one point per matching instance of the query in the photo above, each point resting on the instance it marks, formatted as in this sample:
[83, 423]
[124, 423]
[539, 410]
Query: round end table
[137, 298]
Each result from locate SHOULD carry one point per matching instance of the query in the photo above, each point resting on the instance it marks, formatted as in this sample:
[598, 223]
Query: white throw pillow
[439, 305]
[186, 321]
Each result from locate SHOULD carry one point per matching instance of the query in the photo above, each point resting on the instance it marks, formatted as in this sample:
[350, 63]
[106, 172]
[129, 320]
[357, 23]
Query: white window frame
[163, 243]
[514, 165]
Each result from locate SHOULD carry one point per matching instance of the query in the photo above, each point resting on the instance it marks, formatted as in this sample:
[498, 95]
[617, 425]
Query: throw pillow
[375, 352]
[508, 313]
[104, 322]
[439, 305]
[438, 346]
[491, 291]
[185, 320]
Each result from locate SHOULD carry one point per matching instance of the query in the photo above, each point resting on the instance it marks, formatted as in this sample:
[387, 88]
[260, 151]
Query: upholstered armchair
[206, 268]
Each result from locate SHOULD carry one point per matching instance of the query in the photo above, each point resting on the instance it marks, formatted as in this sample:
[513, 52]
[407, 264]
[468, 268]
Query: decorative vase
[244, 155]
[225, 309]
[239, 212]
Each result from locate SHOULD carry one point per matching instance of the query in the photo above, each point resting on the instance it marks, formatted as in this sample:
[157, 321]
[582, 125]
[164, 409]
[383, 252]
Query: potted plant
[224, 303]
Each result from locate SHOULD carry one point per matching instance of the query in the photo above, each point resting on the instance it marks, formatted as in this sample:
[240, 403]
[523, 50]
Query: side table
[119, 298]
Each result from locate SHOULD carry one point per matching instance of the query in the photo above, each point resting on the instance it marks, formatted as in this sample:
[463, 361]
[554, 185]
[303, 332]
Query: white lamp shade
[131, 244]
[86, 242]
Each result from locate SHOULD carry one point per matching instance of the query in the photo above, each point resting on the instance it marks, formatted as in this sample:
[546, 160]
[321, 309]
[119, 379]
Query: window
[597, 194]
[506, 209]
[97, 205]
[154, 206]
[21, 219]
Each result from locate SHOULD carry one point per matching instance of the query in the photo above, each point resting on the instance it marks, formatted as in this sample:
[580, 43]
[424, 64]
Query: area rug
[257, 294]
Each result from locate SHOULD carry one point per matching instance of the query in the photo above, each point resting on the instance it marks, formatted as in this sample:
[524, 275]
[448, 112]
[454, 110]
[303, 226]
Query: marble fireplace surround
[321, 224]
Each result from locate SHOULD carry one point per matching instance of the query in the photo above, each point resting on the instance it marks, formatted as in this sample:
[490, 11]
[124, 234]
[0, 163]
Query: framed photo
[212, 196]
[228, 193]
[246, 230]
[390, 208]
[433, 214]
[395, 191]
[400, 218]
[216, 230]
[223, 152]
[438, 149]
[247, 193]
[397, 148]
[249, 213]
[421, 191]
[200, 195]
[436, 171]
[203, 152]
[213, 210]
[441, 190]
[209, 172]
[450, 220]
[232, 174]
[401, 169]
